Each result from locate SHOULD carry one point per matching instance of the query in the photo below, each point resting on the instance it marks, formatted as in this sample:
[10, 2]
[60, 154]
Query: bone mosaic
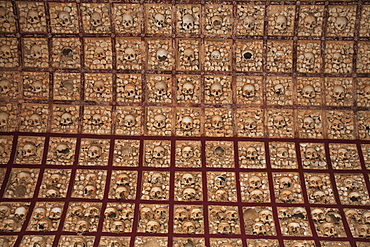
[185, 124]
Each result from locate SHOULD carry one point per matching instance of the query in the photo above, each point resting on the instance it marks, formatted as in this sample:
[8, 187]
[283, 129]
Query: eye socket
[247, 55]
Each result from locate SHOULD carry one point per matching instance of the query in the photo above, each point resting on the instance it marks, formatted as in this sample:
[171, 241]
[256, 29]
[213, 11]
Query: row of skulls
[187, 22]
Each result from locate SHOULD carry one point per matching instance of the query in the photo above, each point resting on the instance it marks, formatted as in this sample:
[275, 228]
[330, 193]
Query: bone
[188, 89]
[159, 18]
[310, 20]
[217, 55]
[250, 19]
[341, 21]
[188, 18]
[218, 22]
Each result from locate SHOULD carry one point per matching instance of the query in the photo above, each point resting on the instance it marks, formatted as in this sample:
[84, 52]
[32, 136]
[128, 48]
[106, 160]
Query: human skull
[44, 225]
[117, 226]
[96, 19]
[4, 119]
[187, 123]
[285, 182]
[99, 53]
[38, 213]
[319, 195]
[337, 58]
[309, 59]
[337, 125]
[310, 22]
[33, 17]
[189, 55]
[181, 214]
[255, 182]
[308, 123]
[34, 120]
[315, 182]
[8, 225]
[64, 18]
[66, 119]
[265, 216]
[216, 90]
[152, 226]
[188, 179]
[224, 228]
[196, 214]
[188, 227]
[351, 184]
[160, 89]
[318, 215]
[4, 211]
[99, 86]
[127, 21]
[159, 20]
[52, 193]
[55, 178]
[215, 55]
[20, 212]
[340, 23]
[188, 22]
[159, 121]
[146, 213]
[79, 242]
[249, 91]
[328, 230]
[250, 22]
[251, 153]
[126, 213]
[366, 217]
[123, 179]
[37, 241]
[159, 152]
[5, 86]
[187, 152]
[162, 55]
[286, 196]
[217, 122]
[259, 228]
[188, 90]
[294, 228]
[111, 212]
[339, 92]
[189, 193]
[362, 230]
[82, 226]
[129, 121]
[5, 52]
[156, 193]
[129, 91]
[257, 195]
[221, 195]
[160, 213]
[29, 149]
[366, 92]
[151, 243]
[354, 197]
[89, 191]
[232, 215]
[55, 213]
[279, 122]
[96, 120]
[36, 52]
[156, 178]
[23, 177]
[92, 212]
[94, 152]
[279, 89]
[67, 86]
[308, 92]
[280, 22]
[311, 154]
[129, 54]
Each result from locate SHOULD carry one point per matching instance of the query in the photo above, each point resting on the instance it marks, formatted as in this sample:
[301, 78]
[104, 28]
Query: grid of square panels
[141, 191]
[216, 70]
